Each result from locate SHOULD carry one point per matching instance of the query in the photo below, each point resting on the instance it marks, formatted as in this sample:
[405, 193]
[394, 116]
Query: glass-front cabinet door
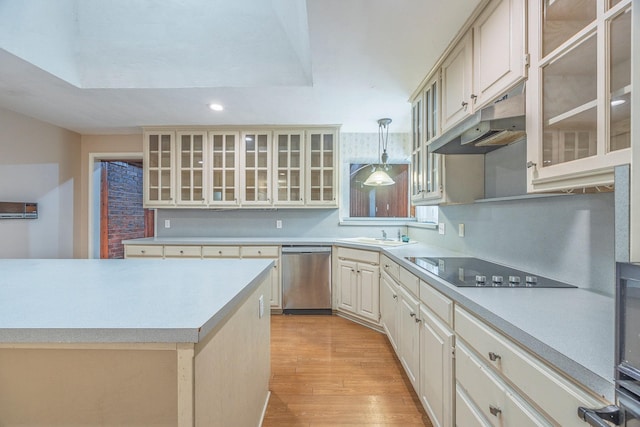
[288, 168]
[426, 174]
[256, 168]
[579, 93]
[191, 168]
[321, 180]
[158, 168]
[224, 168]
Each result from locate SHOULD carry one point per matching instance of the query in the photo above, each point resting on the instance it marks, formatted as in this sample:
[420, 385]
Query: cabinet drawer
[409, 281]
[555, 394]
[466, 412]
[390, 267]
[154, 251]
[260, 251]
[490, 395]
[359, 255]
[438, 303]
[221, 251]
[182, 251]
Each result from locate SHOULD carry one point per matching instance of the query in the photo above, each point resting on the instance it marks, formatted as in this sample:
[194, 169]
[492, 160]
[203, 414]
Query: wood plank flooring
[329, 371]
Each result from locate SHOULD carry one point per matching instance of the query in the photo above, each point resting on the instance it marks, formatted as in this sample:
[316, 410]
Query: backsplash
[568, 238]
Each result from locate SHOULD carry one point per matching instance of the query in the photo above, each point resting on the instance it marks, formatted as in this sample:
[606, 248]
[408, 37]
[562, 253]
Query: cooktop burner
[477, 273]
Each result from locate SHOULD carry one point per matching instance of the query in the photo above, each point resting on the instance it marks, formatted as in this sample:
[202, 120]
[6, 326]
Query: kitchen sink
[375, 241]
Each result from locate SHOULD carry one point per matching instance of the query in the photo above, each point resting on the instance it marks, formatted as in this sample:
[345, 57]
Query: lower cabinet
[389, 308]
[436, 369]
[358, 286]
[268, 252]
[409, 337]
[505, 382]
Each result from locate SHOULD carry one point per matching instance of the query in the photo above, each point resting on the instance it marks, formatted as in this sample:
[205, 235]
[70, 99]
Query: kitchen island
[135, 342]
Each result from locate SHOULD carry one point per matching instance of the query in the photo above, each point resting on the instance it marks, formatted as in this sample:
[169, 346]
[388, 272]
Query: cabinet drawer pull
[495, 411]
[474, 97]
[143, 251]
[418, 320]
[395, 297]
[412, 315]
[219, 252]
[464, 105]
[181, 252]
[494, 356]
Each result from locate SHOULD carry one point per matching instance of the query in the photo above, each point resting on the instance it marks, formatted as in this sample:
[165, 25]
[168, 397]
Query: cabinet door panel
[409, 337]
[389, 308]
[467, 415]
[347, 280]
[436, 368]
[368, 298]
[456, 84]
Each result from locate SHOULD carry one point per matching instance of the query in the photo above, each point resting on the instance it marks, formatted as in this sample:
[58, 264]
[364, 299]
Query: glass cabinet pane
[570, 105]
[223, 169]
[562, 19]
[321, 188]
[288, 168]
[159, 175]
[620, 82]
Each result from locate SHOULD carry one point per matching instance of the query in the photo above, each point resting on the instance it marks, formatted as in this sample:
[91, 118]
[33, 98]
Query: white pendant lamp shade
[379, 177]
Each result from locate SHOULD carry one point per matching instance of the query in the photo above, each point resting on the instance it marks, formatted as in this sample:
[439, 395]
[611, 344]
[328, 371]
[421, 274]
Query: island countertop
[142, 301]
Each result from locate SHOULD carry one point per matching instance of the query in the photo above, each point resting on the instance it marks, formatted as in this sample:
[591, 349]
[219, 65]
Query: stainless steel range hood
[498, 124]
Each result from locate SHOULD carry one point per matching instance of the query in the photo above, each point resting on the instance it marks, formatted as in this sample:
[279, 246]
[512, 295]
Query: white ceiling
[96, 66]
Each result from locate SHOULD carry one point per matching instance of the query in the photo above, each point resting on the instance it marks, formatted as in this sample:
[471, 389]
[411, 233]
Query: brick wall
[126, 215]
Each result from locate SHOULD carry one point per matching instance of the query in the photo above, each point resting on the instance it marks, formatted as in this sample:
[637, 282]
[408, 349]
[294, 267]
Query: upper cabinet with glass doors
[224, 168]
[289, 168]
[233, 168]
[322, 167]
[255, 163]
[158, 165]
[579, 93]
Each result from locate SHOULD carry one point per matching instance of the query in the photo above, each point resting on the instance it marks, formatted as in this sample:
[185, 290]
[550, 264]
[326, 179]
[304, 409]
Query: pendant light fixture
[379, 176]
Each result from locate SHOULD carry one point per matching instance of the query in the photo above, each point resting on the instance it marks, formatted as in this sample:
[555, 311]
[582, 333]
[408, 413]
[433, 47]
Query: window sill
[376, 221]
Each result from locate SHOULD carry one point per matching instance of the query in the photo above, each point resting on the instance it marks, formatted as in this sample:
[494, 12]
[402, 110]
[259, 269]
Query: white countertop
[572, 329]
[78, 300]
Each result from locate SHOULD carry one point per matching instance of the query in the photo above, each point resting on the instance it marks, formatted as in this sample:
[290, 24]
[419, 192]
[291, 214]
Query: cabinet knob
[259, 252]
[464, 105]
[412, 315]
[418, 320]
[495, 411]
[395, 297]
[181, 252]
[143, 251]
[494, 356]
[219, 252]
[474, 97]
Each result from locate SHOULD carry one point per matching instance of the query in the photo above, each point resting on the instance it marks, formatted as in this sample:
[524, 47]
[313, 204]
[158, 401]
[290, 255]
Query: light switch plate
[441, 228]
[278, 223]
[167, 223]
[261, 306]
[460, 230]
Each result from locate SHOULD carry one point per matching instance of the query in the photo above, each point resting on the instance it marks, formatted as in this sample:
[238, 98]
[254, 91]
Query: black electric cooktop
[477, 273]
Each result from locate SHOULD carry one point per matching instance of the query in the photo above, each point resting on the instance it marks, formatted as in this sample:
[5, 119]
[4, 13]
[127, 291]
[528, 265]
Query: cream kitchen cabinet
[358, 286]
[505, 380]
[289, 167]
[255, 164]
[409, 336]
[389, 308]
[457, 76]
[321, 180]
[143, 251]
[191, 251]
[578, 93]
[436, 356]
[487, 61]
[191, 168]
[224, 167]
[158, 168]
[241, 167]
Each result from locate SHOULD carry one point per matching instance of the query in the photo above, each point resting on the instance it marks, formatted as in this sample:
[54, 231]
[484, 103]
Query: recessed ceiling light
[617, 102]
[216, 107]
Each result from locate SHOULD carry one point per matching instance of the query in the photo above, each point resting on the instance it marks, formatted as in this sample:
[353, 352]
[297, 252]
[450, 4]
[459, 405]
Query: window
[391, 201]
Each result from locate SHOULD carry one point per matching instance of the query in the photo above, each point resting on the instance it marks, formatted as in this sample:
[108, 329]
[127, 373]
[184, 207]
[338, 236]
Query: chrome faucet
[384, 235]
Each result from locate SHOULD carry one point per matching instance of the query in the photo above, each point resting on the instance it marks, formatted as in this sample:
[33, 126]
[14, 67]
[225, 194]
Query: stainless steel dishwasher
[306, 279]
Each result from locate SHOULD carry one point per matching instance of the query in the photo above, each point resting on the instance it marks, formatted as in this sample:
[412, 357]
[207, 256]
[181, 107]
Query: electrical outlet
[441, 228]
[460, 230]
[167, 223]
[261, 306]
[278, 223]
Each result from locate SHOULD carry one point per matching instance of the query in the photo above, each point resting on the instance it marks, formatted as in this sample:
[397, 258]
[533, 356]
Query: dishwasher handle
[305, 249]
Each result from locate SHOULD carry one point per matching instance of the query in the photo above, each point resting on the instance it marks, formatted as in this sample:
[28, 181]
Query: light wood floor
[328, 371]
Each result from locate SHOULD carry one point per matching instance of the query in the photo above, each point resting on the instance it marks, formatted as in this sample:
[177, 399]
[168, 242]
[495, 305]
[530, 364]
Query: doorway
[116, 206]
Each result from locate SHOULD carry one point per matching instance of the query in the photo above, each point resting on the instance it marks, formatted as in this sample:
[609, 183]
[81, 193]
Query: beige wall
[103, 147]
[39, 163]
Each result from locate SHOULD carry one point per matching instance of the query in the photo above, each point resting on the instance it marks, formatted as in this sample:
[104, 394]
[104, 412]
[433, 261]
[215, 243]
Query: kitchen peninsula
[136, 342]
